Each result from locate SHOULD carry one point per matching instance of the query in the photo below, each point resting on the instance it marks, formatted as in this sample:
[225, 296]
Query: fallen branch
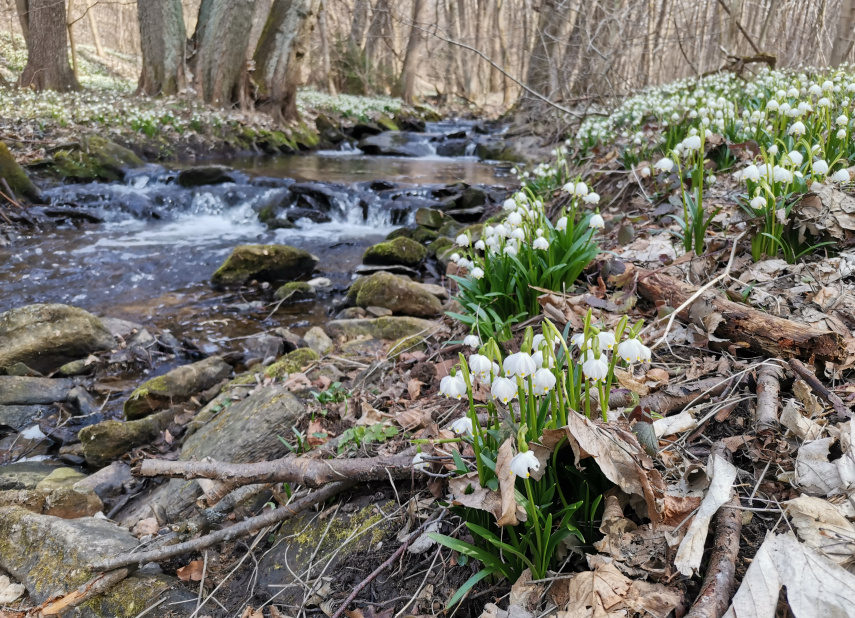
[714, 597]
[819, 388]
[95, 586]
[768, 396]
[415, 535]
[673, 397]
[746, 327]
[245, 527]
[302, 470]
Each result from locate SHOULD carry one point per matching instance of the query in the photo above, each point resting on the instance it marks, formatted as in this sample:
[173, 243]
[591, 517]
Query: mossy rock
[305, 137]
[387, 123]
[473, 231]
[390, 328]
[97, 159]
[395, 294]
[429, 217]
[17, 178]
[424, 235]
[450, 228]
[294, 291]
[498, 217]
[265, 262]
[175, 386]
[108, 440]
[407, 344]
[59, 478]
[440, 245]
[401, 232]
[403, 251]
[293, 362]
[498, 150]
[205, 175]
[276, 141]
[328, 131]
[427, 113]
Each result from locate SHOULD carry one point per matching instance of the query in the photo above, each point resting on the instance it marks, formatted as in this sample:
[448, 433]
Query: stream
[151, 257]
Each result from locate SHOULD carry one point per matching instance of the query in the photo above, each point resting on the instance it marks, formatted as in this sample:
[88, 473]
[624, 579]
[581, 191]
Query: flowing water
[151, 258]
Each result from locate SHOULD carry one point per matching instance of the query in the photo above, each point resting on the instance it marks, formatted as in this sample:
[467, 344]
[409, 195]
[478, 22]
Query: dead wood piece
[673, 397]
[415, 535]
[819, 388]
[95, 586]
[303, 470]
[248, 526]
[746, 327]
[714, 598]
[768, 397]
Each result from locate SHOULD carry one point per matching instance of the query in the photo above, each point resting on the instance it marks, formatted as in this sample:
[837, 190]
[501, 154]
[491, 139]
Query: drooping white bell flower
[579, 341]
[842, 120]
[518, 233]
[514, 219]
[540, 243]
[501, 231]
[797, 128]
[820, 167]
[523, 463]
[772, 105]
[581, 189]
[793, 93]
[462, 426]
[693, 142]
[592, 198]
[486, 379]
[473, 341]
[841, 134]
[477, 273]
[510, 250]
[455, 257]
[773, 149]
[633, 351]
[815, 90]
[751, 173]
[644, 172]
[419, 462]
[480, 245]
[570, 187]
[597, 222]
[519, 364]
[510, 204]
[480, 365]
[841, 176]
[594, 368]
[561, 224]
[794, 157]
[544, 380]
[758, 203]
[453, 386]
[605, 340]
[462, 240]
[780, 174]
[665, 165]
[503, 389]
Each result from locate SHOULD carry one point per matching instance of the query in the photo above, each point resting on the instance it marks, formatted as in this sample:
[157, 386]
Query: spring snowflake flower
[510, 250]
[644, 172]
[486, 379]
[633, 351]
[751, 173]
[772, 105]
[597, 222]
[794, 157]
[503, 389]
[523, 463]
[510, 204]
[519, 364]
[773, 150]
[693, 142]
[514, 219]
[419, 462]
[462, 426]
[561, 224]
[665, 165]
[480, 365]
[462, 240]
[592, 198]
[570, 187]
[455, 257]
[544, 380]
[540, 243]
[480, 245]
[820, 167]
[841, 134]
[453, 386]
[841, 176]
[595, 369]
[842, 120]
[581, 189]
[758, 203]
[477, 272]
[797, 129]
[473, 341]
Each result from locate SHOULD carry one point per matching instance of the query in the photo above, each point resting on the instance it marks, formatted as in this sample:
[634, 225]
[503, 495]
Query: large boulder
[26, 391]
[292, 362]
[205, 175]
[265, 262]
[25, 474]
[97, 158]
[394, 293]
[45, 337]
[176, 386]
[19, 417]
[391, 328]
[108, 440]
[17, 178]
[395, 144]
[51, 557]
[65, 502]
[398, 251]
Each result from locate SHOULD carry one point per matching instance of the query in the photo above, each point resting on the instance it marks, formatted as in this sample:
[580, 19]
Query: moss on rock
[292, 362]
[401, 232]
[399, 251]
[265, 262]
[17, 178]
[389, 328]
[109, 440]
[407, 344]
[97, 158]
[294, 291]
[396, 294]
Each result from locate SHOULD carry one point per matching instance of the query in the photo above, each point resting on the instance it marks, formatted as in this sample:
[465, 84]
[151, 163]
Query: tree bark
[325, 50]
[406, 84]
[844, 32]
[71, 43]
[746, 327]
[541, 69]
[162, 40]
[359, 24]
[93, 26]
[23, 7]
[768, 398]
[279, 57]
[220, 60]
[47, 62]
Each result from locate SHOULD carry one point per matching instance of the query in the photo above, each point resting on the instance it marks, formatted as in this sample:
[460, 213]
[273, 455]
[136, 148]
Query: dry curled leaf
[414, 388]
[315, 434]
[191, 572]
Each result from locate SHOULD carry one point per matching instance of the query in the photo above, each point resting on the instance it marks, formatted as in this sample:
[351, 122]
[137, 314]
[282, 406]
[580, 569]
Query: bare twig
[768, 391]
[95, 586]
[741, 29]
[820, 389]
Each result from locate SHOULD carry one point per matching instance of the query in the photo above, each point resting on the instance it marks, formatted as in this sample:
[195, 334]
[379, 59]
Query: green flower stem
[534, 517]
[588, 398]
[532, 411]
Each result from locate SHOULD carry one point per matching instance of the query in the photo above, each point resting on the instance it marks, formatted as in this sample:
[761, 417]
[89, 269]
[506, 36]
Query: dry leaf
[371, 415]
[815, 585]
[414, 387]
[821, 526]
[467, 491]
[315, 427]
[628, 381]
[9, 592]
[413, 418]
[814, 474]
[507, 483]
[524, 594]
[660, 375]
[605, 587]
[191, 572]
[252, 613]
[802, 427]
[803, 393]
[684, 421]
[145, 527]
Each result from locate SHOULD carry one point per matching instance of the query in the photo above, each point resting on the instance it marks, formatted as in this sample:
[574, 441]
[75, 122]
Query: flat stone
[108, 481]
[367, 269]
[398, 251]
[391, 328]
[64, 502]
[378, 312]
[20, 417]
[121, 328]
[50, 557]
[429, 217]
[59, 478]
[176, 386]
[45, 337]
[108, 440]
[318, 340]
[395, 294]
[75, 368]
[265, 263]
[205, 175]
[15, 390]
[24, 474]
[437, 290]
[350, 313]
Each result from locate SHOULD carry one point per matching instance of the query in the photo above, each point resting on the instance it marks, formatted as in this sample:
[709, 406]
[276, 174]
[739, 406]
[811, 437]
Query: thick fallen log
[748, 328]
[674, 397]
[302, 470]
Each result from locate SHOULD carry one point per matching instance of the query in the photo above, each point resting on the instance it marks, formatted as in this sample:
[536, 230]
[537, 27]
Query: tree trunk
[844, 33]
[279, 57]
[380, 46]
[359, 25]
[405, 87]
[221, 51]
[93, 26]
[47, 62]
[71, 43]
[541, 65]
[162, 40]
[325, 50]
[23, 7]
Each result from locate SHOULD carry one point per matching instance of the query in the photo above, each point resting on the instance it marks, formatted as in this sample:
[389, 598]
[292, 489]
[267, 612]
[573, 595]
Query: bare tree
[162, 39]
[47, 44]
[406, 85]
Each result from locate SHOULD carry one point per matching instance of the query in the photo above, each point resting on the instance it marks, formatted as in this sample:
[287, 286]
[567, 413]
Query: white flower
[798, 129]
[711, 179]
[419, 462]
[514, 219]
[578, 340]
[477, 272]
[780, 174]
[462, 240]
[480, 365]
[509, 204]
[644, 172]
[519, 364]
[523, 463]
[794, 157]
[693, 142]
[842, 120]
[595, 368]
[841, 176]
[815, 90]
[540, 243]
[480, 245]
[605, 340]
[751, 173]
[773, 150]
[597, 222]
[758, 203]
[569, 187]
[827, 85]
[518, 233]
[462, 426]
[772, 105]
[486, 379]
[633, 351]
[823, 102]
[592, 198]
[820, 167]
[581, 189]
[455, 257]
[666, 165]
[841, 134]
[561, 224]
[473, 341]
[503, 389]
[500, 231]
[510, 250]
[543, 380]
[453, 386]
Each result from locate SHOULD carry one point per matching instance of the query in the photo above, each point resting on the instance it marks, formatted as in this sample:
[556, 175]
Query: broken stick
[768, 396]
[819, 388]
